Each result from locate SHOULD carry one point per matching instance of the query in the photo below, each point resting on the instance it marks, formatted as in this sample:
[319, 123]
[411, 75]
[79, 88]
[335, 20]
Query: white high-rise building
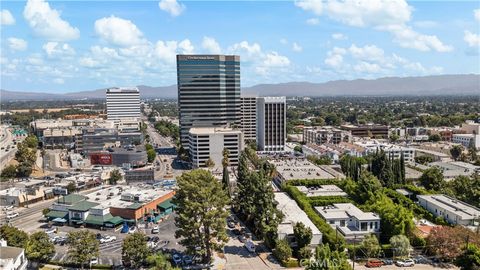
[271, 124]
[249, 118]
[209, 142]
[123, 103]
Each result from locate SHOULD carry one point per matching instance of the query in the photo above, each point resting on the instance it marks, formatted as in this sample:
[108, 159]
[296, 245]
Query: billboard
[101, 159]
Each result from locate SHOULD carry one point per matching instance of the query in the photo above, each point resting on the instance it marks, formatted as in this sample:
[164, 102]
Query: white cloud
[381, 15]
[186, 47]
[88, 62]
[211, 45]
[476, 14]
[58, 81]
[55, 49]
[425, 24]
[118, 31]
[46, 22]
[172, 7]
[166, 51]
[313, 21]
[314, 6]
[247, 51]
[339, 36]
[362, 61]
[273, 59]
[284, 41]
[472, 39]
[35, 60]
[6, 17]
[296, 47]
[17, 44]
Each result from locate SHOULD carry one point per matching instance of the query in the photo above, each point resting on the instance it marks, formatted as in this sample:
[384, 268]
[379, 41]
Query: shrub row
[312, 182]
[328, 233]
[328, 200]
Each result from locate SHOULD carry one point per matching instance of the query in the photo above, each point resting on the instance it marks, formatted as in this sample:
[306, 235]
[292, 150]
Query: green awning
[56, 214]
[115, 220]
[95, 220]
[166, 205]
[82, 206]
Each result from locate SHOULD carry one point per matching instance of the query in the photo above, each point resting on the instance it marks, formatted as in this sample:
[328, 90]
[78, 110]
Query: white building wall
[271, 124]
[123, 103]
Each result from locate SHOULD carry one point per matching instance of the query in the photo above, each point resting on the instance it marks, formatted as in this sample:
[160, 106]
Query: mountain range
[464, 84]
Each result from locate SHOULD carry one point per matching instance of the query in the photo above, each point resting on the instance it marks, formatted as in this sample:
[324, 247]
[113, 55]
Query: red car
[374, 263]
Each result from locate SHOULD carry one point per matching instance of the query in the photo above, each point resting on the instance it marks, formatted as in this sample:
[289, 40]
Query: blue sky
[65, 46]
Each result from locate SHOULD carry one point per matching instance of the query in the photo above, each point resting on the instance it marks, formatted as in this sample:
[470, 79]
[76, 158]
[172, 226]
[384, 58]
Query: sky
[67, 46]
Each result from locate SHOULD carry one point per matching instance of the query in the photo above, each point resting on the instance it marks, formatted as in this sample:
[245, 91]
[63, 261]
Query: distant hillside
[390, 86]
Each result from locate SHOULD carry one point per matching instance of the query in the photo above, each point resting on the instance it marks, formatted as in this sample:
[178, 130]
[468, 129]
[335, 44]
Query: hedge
[312, 182]
[328, 233]
[67, 264]
[328, 200]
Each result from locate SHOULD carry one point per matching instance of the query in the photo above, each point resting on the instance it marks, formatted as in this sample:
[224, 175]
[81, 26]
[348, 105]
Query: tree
[8, 173]
[226, 176]
[201, 213]
[394, 137]
[14, 236]
[82, 247]
[298, 148]
[303, 235]
[466, 188]
[304, 253]
[159, 261]
[423, 159]
[24, 169]
[71, 187]
[328, 260]
[115, 176]
[432, 179]
[31, 141]
[210, 163]
[367, 185]
[370, 245]
[135, 250]
[435, 138]
[470, 259]
[448, 242]
[400, 245]
[39, 247]
[151, 155]
[456, 151]
[282, 251]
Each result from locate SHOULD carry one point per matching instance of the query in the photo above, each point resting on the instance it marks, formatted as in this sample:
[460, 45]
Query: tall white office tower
[208, 92]
[271, 124]
[249, 118]
[123, 103]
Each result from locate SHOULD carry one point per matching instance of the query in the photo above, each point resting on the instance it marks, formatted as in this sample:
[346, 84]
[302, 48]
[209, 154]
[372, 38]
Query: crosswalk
[63, 256]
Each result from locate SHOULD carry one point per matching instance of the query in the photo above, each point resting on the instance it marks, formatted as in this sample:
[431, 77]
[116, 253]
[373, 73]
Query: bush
[418, 242]
[291, 263]
[312, 182]
[282, 251]
[304, 253]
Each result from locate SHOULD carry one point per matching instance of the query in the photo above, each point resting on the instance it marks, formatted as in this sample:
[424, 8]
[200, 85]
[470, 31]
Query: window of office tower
[208, 91]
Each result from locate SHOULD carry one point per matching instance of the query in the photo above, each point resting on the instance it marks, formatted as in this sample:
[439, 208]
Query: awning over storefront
[115, 220]
[57, 214]
[166, 205]
[94, 220]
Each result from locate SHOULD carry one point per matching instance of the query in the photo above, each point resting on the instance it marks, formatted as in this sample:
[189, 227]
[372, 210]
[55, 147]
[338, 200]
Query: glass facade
[208, 91]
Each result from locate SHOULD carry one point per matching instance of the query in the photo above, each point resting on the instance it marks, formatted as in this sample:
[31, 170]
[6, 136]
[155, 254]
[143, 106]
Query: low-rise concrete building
[322, 191]
[350, 221]
[325, 134]
[452, 210]
[298, 168]
[467, 140]
[294, 214]
[12, 258]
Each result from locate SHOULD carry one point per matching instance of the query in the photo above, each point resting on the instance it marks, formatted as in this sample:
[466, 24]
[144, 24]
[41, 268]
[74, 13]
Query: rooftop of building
[464, 135]
[213, 130]
[462, 209]
[344, 211]
[323, 190]
[292, 214]
[112, 196]
[123, 90]
[299, 168]
[10, 252]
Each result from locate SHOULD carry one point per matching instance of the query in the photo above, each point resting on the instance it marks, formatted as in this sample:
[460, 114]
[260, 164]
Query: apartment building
[326, 134]
[452, 210]
[371, 131]
[271, 124]
[208, 143]
[249, 118]
[123, 103]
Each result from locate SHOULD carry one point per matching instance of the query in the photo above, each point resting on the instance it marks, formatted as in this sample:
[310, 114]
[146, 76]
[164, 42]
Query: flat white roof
[462, 209]
[323, 190]
[212, 130]
[293, 214]
[299, 168]
[343, 211]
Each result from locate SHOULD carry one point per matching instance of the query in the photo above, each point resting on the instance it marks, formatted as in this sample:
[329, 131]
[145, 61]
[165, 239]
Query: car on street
[6, 208]
[94, 261]
[50, 230]
[99, 236]
[231, 224]
[242, 238]
[151, 244]
[250, 246]
[12, 215]
[155, 229]
[405, 263]
[387, 262]
[177, 259]
[107, 239]
[155, 239]
[132, 229]
[374, 263]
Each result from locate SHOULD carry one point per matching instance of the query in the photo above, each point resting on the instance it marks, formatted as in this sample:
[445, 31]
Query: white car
[107, 239]
[12, 215]
[6, 208]
[250, 246]
[132, 229]
[405, 263]
[93, 261]
[50, 231]
[155, 229]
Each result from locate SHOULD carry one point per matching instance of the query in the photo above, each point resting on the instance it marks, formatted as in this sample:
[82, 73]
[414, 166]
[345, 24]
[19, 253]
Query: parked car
[387, 262]
[405, 263]
[107, 239]
[12, 215]
[242, 238]
[374, 263]
[187, 259]
[155, 239]
[177, 259]
[99, 236]
[94, 261]
[250, 246]
[6, 208]
[237, 232]
[155, 229]
[50, 230]
[231, 224]
[422, 260]
[132, 229]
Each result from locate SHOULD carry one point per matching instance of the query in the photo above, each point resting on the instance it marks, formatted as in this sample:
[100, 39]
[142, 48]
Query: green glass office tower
[208, 92]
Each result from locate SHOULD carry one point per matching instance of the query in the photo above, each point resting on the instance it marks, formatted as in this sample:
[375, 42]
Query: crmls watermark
[321, 264]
